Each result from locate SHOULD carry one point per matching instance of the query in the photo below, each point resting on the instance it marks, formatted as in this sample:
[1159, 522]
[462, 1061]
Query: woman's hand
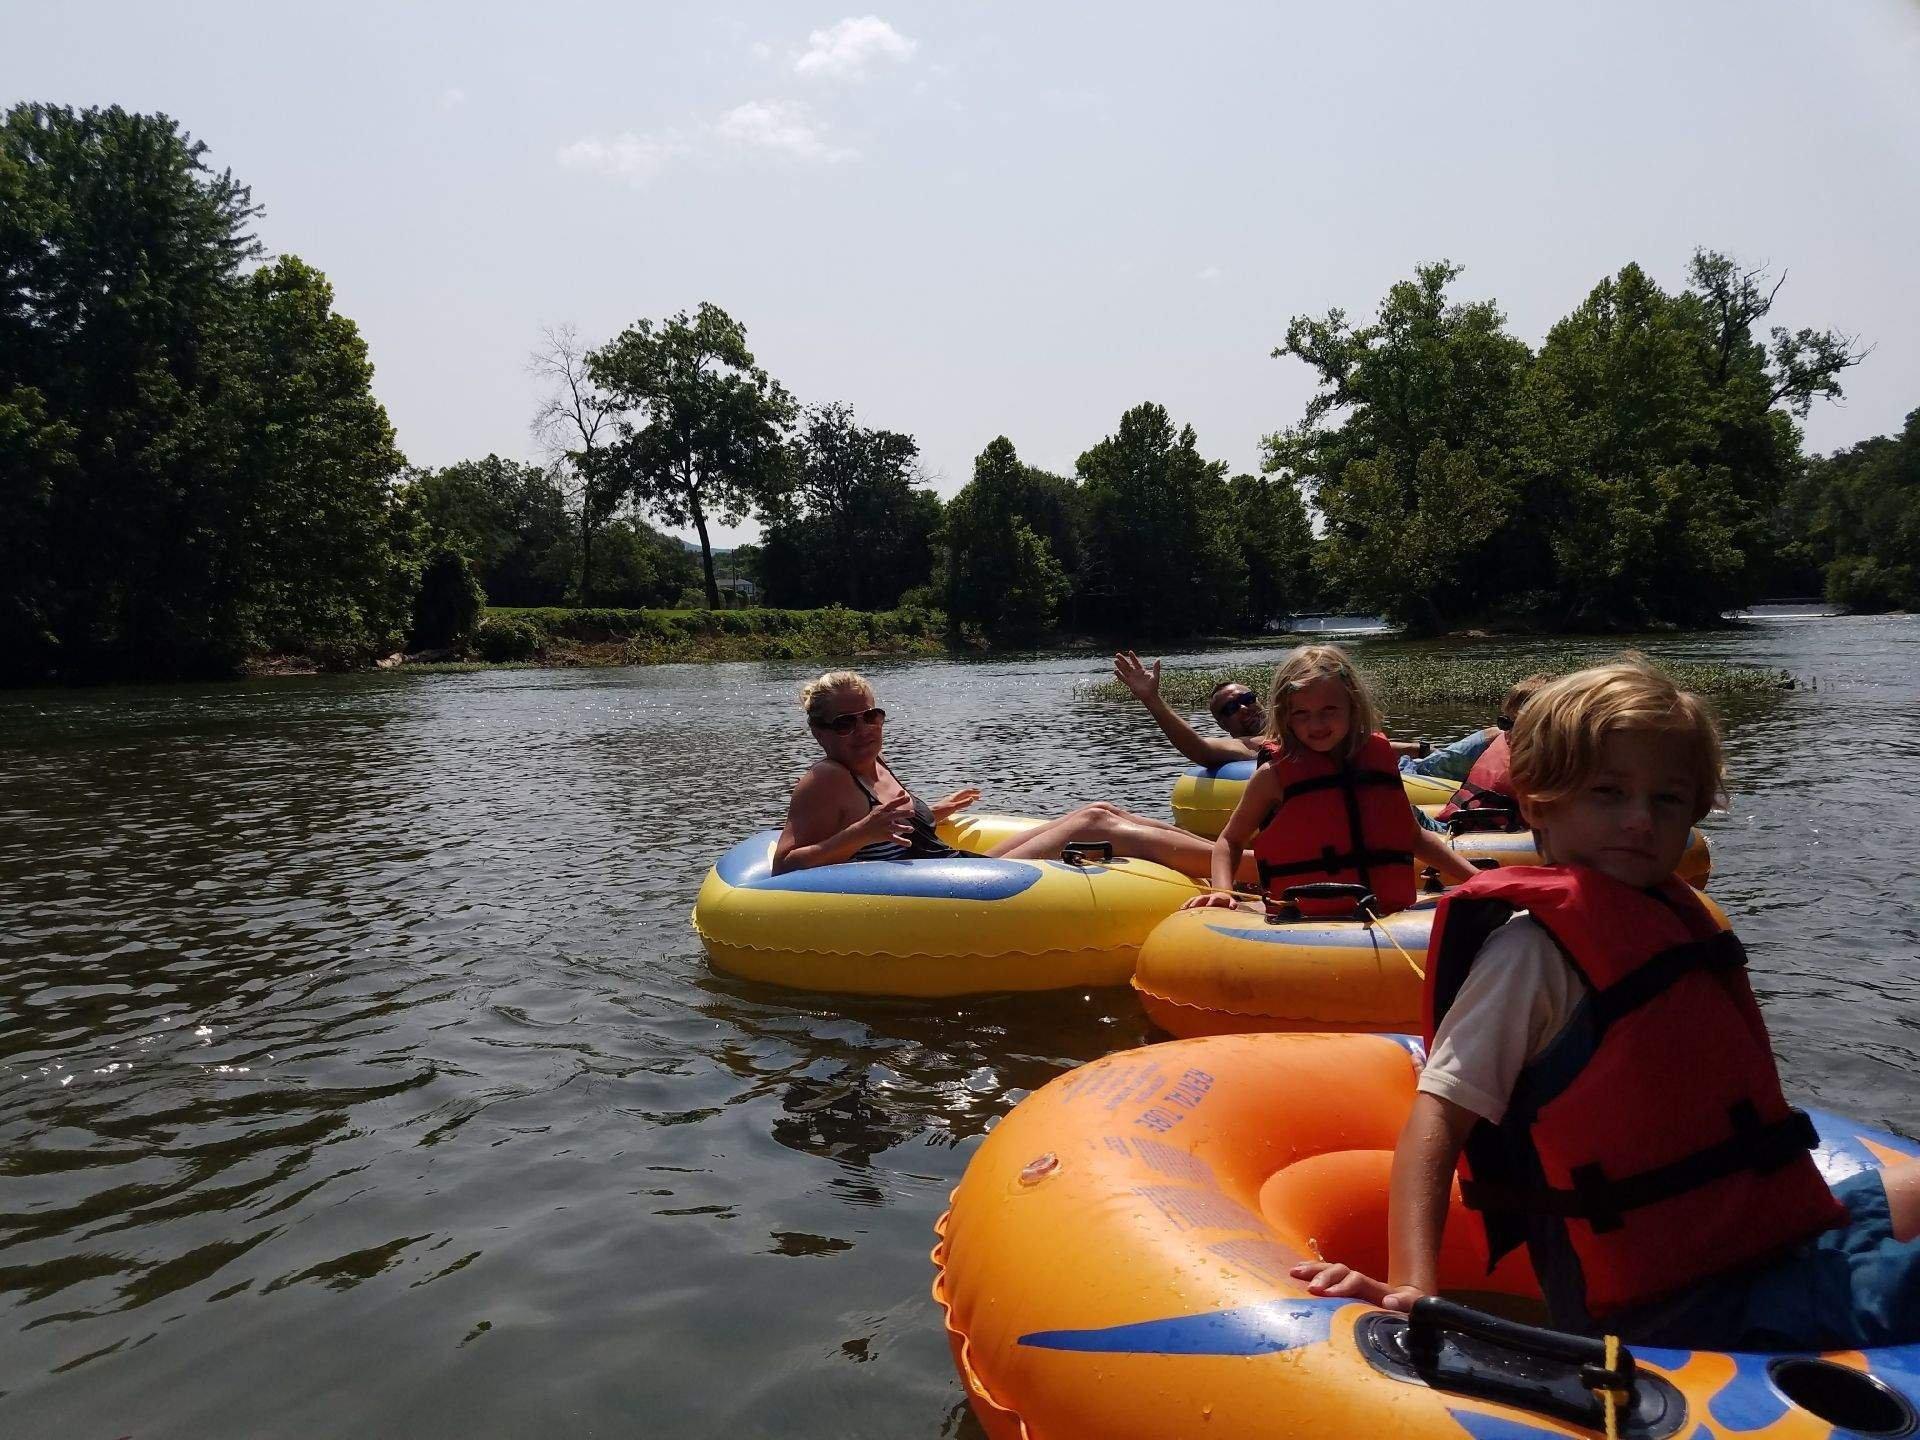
[958, 801]
[1328, 1277]
[1142, 682]
[891, 823]
[1212, 900]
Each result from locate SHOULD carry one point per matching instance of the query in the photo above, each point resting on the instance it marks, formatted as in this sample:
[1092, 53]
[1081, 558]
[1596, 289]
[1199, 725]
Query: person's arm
[816, 835]
[1144, 685]
[1518, 995]
[1417, 1196]
[1417, 1199]
[1432, 849]
[1242, 826]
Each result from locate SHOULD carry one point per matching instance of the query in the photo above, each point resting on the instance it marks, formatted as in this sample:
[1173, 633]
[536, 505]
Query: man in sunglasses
[1237, 710]
[1234, 707]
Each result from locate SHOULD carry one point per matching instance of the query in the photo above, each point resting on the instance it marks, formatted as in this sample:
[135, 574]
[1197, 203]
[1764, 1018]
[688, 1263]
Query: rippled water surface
[359, 1074]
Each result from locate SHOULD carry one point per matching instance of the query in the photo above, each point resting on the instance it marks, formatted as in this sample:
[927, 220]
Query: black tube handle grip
[1325, 890]
[1085, 852]
[1430, 1314]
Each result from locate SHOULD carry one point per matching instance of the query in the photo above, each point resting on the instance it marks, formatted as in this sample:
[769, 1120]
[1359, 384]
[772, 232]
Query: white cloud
[627, 156]
[844, 51]
[1211, 273]
[784, 128]
[762, 50]
[452, 97]
[777, 127]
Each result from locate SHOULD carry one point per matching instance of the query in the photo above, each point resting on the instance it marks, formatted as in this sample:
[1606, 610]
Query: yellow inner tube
[1203, 798]
[1226, 972]
[933, 927]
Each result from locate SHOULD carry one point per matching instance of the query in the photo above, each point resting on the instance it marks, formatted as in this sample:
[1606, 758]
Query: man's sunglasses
[843, 724]
[1238, 702]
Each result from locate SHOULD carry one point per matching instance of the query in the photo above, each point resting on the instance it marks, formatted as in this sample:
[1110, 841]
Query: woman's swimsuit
[921, 844]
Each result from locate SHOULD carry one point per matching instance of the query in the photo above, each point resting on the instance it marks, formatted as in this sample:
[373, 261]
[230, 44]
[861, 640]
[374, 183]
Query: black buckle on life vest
[1603, 1202]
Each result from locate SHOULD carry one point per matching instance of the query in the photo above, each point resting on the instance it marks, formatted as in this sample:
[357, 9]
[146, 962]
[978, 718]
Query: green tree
[857, 528]
[1162, 554]
[447, 609]
[510, 519]
[190, 457]
[704, 428]
[1635, 471]
[314, 459]
[997, 570]
[1864, 508]
[1269, 519]
[639, 566]
[120, 250]
[1412, 419]
[1658, 444]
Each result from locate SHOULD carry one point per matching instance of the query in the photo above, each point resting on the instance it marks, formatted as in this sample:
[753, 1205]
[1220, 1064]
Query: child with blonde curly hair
[1598, 1059]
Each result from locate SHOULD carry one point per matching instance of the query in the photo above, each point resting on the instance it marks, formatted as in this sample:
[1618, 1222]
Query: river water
[359, 1073]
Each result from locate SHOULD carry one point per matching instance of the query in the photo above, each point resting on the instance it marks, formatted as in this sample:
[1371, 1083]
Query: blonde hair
[1309, 665]
[1559, 738]
[817, 691]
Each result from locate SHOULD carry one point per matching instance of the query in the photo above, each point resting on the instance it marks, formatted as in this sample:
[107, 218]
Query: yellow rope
[1610, 1399]
[1373, 919]
[1197, 887]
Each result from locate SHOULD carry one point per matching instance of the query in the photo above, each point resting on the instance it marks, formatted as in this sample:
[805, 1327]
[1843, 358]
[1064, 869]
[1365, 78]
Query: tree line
[1643, 466]
[194, 468]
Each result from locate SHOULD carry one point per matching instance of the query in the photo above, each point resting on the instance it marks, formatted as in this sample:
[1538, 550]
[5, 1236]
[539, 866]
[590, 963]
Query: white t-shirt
[1518, 996]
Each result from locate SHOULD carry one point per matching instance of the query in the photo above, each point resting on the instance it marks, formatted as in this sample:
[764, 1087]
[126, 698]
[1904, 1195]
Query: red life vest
[1488, 789]
[1345, 823]
[1650, 1139]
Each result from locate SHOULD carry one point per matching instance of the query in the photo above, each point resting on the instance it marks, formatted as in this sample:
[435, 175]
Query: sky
[973, 219]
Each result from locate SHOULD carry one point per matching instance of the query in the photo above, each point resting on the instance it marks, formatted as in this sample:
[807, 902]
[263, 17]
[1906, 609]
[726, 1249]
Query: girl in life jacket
[1327, 807]
[1600, 1073]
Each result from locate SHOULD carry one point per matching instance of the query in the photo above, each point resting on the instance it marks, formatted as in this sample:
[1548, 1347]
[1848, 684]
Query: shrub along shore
[556, 636]
[1422, 677]
[1415, 674]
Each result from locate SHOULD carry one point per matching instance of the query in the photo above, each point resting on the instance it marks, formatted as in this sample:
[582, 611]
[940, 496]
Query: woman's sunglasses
[843, 724]
[1238, 702]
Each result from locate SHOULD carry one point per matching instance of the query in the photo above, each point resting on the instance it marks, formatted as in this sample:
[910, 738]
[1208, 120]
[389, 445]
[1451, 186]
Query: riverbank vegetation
[602, 636]
[1422, 676]
[194, 469]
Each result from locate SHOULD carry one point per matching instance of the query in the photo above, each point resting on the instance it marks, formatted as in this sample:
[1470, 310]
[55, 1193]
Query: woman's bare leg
[1129, 834]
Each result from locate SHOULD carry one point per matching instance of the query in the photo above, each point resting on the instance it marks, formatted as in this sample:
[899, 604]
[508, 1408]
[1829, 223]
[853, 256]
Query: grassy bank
[556, 636]
[1412, 678]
